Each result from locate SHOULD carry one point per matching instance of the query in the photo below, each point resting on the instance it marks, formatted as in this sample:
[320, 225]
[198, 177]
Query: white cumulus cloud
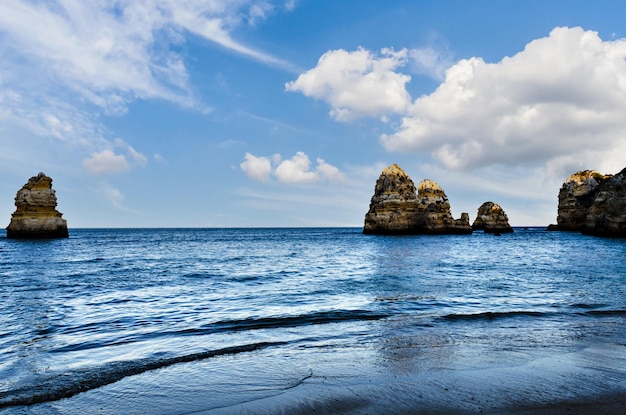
[257, 168]
[559, 103]
[295, 170]
[357, 84]
[329, 172]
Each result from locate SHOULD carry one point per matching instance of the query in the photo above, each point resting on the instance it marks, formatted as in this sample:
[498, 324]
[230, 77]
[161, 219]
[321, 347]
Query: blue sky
[237, 113]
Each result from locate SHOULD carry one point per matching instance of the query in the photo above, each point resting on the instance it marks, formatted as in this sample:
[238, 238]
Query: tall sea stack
[575, 198]
[607, 214]
[593, 203]
[434, 211]
[36, 215]
[396, 208]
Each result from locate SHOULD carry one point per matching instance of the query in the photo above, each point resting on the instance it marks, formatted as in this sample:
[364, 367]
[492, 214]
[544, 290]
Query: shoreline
[589, 381]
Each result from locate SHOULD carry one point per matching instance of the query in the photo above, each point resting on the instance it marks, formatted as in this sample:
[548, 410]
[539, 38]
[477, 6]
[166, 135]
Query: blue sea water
[200, 320]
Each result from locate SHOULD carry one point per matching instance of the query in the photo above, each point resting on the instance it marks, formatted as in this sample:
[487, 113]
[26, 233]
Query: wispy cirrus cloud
[108, 161]
[111, 52]
[62, 64]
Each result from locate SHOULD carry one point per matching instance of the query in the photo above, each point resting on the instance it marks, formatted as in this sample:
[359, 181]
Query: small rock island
[36, 215]
[396, 208]
[593, 203]
[491, 218]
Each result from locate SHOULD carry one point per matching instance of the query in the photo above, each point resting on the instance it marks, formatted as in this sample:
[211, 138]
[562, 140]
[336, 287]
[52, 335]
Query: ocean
[220, 321]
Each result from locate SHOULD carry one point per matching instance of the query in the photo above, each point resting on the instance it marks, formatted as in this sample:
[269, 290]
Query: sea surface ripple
[106, 305]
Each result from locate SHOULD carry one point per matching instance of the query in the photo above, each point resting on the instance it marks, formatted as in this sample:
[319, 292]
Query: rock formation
[395, 208]
[607, 214]
[575, 199]
[434, 211]
[492, 219]
[36, 216]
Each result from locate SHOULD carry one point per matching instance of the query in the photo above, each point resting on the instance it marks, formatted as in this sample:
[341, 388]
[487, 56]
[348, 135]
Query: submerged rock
[396, 208]
[491, 218]
[607, 214]
[36, 216]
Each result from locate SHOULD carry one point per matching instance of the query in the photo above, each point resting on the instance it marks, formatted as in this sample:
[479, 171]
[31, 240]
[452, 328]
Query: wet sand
[589, 381]
[324, 380]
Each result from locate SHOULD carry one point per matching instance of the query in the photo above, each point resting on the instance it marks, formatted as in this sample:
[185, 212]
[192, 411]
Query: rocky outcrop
[492, 219]
[607, 214]
[396, 208]
[36, 215]
[434, 211]
[575, 198]
[393, 208]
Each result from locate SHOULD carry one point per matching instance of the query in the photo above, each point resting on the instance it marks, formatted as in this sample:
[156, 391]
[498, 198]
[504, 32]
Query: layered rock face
[36, 216]
[576, 197]
[395, 208]
[491, 218]
[434, 211]
[607, 214]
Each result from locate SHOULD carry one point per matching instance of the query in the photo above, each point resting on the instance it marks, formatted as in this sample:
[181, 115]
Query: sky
[244, 113]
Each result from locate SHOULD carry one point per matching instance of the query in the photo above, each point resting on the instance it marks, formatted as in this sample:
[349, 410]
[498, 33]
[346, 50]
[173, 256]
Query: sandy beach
[590, 381]
[271, 381]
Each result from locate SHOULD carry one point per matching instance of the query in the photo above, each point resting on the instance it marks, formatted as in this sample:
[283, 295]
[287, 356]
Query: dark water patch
[492, 315]
[321, 317]
[248, 278]
[113, 301]
[587, 306]
[248, 324]
[604, 313]
[194, 275]
[64, 385]
[233, 259]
